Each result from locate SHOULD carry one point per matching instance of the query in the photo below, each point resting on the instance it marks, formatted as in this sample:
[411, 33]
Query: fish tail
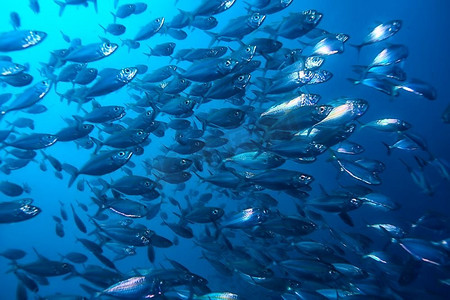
[95, 5]
[358, 48]
[114, 16]
[187, 14]
[213, 36]
[199, 176]
[62, 6]
[73, 171]
[98, 144]
[389, 151]
[102, 28]
[354, 81]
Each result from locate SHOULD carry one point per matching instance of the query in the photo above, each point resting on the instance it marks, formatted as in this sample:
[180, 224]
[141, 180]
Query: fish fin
[95, 5]
[40, 256]
[354, 81]
[389, 151]
[103, 28]
[346, 218]
[114, 16]
[98, 144]
[214, 37]
[72, 171]
[358, 48]
[62, 6]
[187, 14]
[263, 83]
[322, 189]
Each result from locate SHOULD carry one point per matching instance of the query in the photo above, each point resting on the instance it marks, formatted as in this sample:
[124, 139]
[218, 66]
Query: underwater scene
[224, 149]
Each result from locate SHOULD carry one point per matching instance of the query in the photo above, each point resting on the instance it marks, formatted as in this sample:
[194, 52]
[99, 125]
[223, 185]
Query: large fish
[103, 163]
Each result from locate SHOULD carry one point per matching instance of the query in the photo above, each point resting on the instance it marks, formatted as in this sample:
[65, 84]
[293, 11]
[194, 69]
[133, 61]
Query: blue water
[424, 32]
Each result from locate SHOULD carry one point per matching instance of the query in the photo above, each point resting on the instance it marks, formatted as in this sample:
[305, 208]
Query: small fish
[114, 29]
[149, 30]
[78, 221]
[34, 5]
[388, 125]
[124, 11]
[380, 33]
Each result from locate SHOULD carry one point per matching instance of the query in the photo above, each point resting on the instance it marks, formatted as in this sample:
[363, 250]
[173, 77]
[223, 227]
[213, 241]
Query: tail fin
[103, 28]
[98, 144]
[72, 171]
[214, 37]
[358, 48]
[95, 5]
[62, 6]
[354, 81]
[114, 16]
[388, 148]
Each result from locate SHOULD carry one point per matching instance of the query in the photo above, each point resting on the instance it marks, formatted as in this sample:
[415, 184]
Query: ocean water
[424, 33]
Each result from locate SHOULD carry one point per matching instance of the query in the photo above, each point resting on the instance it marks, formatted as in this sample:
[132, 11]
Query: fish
[238, 28]
[114, 29]
[18, 211]
[111, 80]
[62, 4]
[380, 33]
[124, 11]
[15, 20]
[103, 163]
[34, 5]
[150, 29]
[20, 39]
[33, 141]
[29, 97]
[90, 52]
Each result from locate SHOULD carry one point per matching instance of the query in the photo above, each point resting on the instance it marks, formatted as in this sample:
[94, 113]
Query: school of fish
[209, 150]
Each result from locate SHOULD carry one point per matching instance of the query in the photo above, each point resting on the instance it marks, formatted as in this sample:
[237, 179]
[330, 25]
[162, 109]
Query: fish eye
[240, 78]
[116, 108]
[186, 175]
[237, 113]
[108, 45]
[256, 17]
[182, 80]
[149, 113]
[187, 102]
[140, 132]
[302, 177]
[215, 211]
[157, 20]
[130, 6]
[127, 70]
[265, 211]
[197, 143]
[121, 153]
[321, 109]
[147, 183]
[248, 49]
[228, 62]
[183, 161]
[85, 126]
[44, 82]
